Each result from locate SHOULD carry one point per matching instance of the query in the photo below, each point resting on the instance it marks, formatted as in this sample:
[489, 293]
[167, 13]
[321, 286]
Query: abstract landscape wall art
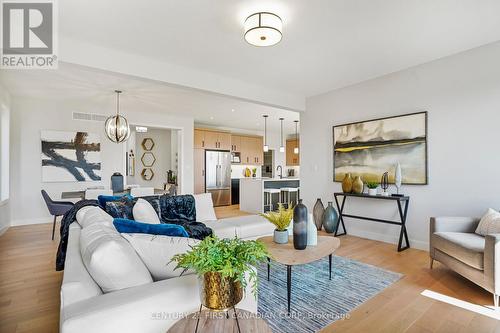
[70, 156]
[370, 148]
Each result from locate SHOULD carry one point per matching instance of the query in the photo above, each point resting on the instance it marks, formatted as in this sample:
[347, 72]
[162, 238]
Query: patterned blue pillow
[120, 209]
[103, 199]
[133, 227]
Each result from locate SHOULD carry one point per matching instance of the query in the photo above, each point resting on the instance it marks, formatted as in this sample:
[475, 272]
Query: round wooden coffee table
[287, 255]
[221, 322]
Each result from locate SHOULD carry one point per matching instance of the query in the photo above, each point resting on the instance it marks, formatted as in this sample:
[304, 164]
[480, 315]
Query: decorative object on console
[318, 212]
[330, 218]
[312, 231]
[221, 265]
[263, 29]
[369, 147]
[281, 220]
[116, 127]
[384, 183]
[70, 156]
[372, 188]
[147, 174]
[398, 178]
[300, 226]
[357, 185]
[117, 182]
[147, 144]
[347, 183]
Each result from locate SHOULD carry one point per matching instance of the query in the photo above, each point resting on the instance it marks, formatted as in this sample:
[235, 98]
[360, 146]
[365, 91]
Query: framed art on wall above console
[370, 148]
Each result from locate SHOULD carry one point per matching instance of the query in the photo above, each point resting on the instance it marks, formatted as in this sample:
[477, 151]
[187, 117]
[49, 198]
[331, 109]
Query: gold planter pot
[218, 293]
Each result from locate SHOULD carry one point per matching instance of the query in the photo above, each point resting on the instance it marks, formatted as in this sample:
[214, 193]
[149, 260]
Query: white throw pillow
[144, 212]
[157, 251]
[204, 207]
[489, 224]
[110, 259]
[89, 215]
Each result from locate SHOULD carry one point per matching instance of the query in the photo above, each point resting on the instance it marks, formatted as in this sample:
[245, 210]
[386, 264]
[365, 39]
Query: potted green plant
[281, 220]
[372, 188]
[254, 172]
[221, 265]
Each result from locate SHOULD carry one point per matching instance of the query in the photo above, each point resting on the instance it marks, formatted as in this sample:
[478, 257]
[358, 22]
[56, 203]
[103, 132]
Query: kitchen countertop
[271, 179]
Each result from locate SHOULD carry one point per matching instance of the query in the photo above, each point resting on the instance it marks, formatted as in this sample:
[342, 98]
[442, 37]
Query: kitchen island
[252, 191]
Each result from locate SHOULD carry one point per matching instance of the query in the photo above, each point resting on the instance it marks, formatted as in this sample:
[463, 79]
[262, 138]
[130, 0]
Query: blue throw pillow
[103, 199]
[134, 227]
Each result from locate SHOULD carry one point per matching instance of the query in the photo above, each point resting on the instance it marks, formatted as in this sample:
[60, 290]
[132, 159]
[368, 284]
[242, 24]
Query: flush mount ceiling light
[266, 147]
[116, 127]
[263, 29]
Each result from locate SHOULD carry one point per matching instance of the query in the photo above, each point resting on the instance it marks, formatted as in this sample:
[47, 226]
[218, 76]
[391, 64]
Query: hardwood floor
[29, 288]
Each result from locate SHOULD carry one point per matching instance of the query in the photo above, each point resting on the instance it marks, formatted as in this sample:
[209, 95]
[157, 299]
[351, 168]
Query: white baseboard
[414, 244]
[38, 220]
[4, 229]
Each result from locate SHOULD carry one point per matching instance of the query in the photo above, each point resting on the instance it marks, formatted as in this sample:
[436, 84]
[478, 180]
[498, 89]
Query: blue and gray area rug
[317, 301]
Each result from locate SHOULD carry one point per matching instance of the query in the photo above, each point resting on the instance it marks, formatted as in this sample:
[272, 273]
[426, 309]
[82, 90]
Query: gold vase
[357, 185]
[218, 293]
[347, 183]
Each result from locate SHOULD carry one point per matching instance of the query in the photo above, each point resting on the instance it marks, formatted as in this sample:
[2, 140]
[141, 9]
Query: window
[4, 152]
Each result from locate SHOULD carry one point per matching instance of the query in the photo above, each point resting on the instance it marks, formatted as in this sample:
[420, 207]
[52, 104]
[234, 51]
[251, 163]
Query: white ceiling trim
[85, 54]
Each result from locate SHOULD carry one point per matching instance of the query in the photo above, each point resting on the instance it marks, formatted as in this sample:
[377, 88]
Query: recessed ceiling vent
[89, 116]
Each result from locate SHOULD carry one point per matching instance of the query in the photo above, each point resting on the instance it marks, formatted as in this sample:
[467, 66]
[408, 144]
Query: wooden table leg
[289, 284]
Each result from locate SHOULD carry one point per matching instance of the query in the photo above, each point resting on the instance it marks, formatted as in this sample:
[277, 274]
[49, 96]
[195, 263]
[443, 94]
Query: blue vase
[330, 219]
[300, 226]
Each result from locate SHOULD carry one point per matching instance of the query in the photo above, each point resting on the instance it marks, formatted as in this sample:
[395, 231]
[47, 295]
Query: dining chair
[56, 208]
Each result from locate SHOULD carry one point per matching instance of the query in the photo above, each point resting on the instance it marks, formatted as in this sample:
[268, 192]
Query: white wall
[4, 160]
[462, 95]
[30, 116]
[162, 150]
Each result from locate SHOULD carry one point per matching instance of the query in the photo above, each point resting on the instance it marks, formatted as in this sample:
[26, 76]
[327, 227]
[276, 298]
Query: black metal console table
[403, 212]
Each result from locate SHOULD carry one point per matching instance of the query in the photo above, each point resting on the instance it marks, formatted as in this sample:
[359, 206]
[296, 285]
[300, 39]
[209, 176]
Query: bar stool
[287, 192]
[268, 197]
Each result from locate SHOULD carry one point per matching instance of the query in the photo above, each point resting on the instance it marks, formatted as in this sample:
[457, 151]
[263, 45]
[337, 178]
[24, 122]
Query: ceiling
[327, 44]
[72, 82]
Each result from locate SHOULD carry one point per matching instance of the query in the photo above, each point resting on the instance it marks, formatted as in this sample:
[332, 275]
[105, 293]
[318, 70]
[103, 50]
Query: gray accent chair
[56, 208]
[454, 244]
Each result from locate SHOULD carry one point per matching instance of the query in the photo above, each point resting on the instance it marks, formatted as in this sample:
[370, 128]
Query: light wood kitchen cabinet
[199, 170]
[208, 139]
[199, 138]
[211, 140]
[235, 143]
[252, 150]
[224, 141]
[292, 159]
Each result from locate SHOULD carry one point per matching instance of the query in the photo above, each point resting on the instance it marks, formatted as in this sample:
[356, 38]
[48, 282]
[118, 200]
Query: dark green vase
[330, 219]
[300, 226]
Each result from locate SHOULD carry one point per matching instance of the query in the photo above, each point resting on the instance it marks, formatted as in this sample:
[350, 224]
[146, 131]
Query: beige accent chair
[454, 244]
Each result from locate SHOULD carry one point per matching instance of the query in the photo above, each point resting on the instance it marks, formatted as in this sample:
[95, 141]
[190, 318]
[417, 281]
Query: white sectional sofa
[149, 308]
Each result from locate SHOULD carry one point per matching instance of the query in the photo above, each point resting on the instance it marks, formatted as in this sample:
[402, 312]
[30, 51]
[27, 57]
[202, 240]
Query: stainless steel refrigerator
[218, 176]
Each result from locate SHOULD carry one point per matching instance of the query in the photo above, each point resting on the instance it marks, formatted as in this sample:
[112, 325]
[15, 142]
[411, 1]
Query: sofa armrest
[453, 224]
[492, 263]
[149, 308]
